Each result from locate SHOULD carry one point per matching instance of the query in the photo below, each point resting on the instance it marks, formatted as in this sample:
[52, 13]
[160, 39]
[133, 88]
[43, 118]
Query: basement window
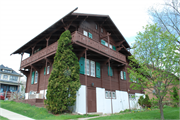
[108, 94]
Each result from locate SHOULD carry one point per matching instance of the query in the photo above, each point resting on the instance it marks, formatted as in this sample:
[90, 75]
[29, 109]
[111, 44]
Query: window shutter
[81, 63]
[90, 35]
[124, 75]
[98, 70]
[103, 42]
[44, 70]
[111, 72]
[32, 78]
[114, 48]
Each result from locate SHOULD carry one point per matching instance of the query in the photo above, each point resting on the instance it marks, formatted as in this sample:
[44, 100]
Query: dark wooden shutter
[44, 70]
[111, 71]
[32, 78]
[124, 75]
[82, 63]
[114, 48]
[98, 70]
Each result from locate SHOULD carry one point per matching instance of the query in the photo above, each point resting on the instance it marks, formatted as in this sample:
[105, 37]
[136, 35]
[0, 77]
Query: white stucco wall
[104, 105]
[80, 104]
[26, 95]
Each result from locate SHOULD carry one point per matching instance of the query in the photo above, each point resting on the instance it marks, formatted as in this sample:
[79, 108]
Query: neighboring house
[94, 38]
[9, 79]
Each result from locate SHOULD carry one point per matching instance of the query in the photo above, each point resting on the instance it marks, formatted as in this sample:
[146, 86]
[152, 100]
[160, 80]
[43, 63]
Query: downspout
[86, 83]
[110, 87]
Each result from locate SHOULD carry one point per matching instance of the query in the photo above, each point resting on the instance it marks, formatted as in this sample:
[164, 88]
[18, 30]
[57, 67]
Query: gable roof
[2, 67]
[104, 20]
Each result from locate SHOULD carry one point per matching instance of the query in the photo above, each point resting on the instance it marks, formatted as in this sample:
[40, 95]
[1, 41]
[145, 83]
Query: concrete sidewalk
[13, 116]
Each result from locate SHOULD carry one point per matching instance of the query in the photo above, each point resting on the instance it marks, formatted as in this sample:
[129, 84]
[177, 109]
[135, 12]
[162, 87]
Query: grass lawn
[36, 112]
[169, 113]
[3, 118]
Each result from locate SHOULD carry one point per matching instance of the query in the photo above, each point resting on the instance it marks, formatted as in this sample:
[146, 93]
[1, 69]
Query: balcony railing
[78, 38]
[97, 46]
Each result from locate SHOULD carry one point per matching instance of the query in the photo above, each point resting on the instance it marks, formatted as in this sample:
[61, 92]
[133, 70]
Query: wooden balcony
[50, 50]
[95, 46]
[80, 39]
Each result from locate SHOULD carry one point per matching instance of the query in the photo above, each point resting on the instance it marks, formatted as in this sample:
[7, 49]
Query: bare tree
[167, 16]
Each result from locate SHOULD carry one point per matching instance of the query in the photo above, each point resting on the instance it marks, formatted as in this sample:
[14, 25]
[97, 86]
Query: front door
[91, 100]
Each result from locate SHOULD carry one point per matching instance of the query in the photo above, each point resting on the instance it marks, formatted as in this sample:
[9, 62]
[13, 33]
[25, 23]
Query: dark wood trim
[118, 49]
[110, 86]
[119, 43]
[103, 22]
[82, 53]
[108, 34]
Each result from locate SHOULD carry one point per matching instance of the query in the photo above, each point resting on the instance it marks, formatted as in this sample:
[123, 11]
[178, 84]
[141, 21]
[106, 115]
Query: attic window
[96, 27]
[102, 30]
[4, 70]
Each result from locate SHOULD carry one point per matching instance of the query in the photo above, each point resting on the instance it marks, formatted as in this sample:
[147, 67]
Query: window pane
[85, 33]
[107, 94]
[113, 94]
[48, 69]
[87, 67]
[5, 77]
[122, 75]
[110, 46]
[93, 68]
[36, 77]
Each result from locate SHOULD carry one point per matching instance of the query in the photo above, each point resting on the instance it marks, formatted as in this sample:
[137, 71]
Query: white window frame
[4, 78]
[131, 98]
[36, 77]
[87, 67]
[110, 46]
[85, 33]
[108, 94]
[48, 68]
[96, 27]
[106, 44]
[92, 68]
[122, 76]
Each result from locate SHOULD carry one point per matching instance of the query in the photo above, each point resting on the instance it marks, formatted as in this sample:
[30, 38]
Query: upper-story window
[123, 75]
[106, 44]
[4, 70]
[14, 78]
[5, 77]
[85, 33]
[36, 77]
[110, 73]
[0, 76]
[96, 27]
[102, 30]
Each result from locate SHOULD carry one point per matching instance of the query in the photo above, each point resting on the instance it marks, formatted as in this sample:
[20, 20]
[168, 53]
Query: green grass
[169, 113]
[36, 112]
[3, 118]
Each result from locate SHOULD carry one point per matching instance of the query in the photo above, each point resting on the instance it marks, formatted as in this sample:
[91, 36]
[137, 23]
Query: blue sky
[22, 20]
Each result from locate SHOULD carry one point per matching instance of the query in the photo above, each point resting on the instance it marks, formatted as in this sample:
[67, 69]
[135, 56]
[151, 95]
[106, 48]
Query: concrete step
[95, 113]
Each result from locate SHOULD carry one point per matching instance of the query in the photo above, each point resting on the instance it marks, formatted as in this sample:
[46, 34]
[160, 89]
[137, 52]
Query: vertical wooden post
[21, 59]
[110, 86]
[86, 83]
[45, 79]
[108, 40]
[30, 79]
[32, 50]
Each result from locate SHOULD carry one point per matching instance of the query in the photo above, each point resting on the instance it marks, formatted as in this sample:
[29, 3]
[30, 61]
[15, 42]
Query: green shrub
[146, 101]
[140, 100]
[64, 78]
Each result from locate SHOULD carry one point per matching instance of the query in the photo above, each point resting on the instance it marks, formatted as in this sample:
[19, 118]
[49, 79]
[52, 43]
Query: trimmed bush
[64, 78]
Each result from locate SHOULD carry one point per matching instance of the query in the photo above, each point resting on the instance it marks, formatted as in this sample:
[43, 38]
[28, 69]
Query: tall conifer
[64, 78]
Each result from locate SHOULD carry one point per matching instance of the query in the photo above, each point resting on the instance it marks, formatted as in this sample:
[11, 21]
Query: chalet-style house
[96, 39]
[9, 80]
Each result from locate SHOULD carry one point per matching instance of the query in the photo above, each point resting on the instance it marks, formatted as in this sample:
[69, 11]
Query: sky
[22, 20]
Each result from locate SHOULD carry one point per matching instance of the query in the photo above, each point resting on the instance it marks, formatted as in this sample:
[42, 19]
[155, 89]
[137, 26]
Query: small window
[122, 75]
[44, 70]
[110, 46]
[132, 97]
[5, 77]
[101, 30]
[0, 76]
[107, 94]
[36, 77]
[96, 27]
[85, 33]
[113, 95]
[48, 67]
[87, 67]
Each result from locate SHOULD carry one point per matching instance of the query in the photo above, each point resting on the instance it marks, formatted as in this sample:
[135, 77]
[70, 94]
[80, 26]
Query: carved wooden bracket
[35, 68]
[49, 61]
[119, 43]
[66, 26]
[25, 72]
[82, 53]
[108, 34]
[103, 22]
[106, 61]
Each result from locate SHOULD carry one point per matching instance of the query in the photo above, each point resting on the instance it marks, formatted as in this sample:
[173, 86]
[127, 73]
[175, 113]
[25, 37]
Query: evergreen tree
[64, 78]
